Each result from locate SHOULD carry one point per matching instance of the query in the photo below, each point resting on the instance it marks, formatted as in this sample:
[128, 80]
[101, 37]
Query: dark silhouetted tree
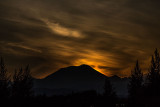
[108, 89]
[153, 77]
[135, 87]
[109, 94]
[4, 81]
[136, 80]
[22, 84]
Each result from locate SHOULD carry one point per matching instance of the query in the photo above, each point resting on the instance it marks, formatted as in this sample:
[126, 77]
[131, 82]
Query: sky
[109, 35]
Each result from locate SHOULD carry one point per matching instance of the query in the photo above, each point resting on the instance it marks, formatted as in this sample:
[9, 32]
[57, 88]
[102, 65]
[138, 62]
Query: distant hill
[75, 79]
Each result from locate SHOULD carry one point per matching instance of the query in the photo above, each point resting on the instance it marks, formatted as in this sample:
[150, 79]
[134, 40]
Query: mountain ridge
[82, 67]
[76, 78]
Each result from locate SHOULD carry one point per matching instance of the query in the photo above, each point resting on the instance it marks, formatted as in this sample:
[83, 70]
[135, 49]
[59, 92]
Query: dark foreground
[84, 99]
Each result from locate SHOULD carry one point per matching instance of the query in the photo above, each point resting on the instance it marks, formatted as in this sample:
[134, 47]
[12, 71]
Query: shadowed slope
[73, 79]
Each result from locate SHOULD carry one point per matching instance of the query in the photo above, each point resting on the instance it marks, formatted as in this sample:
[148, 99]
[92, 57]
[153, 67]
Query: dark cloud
[109, 35]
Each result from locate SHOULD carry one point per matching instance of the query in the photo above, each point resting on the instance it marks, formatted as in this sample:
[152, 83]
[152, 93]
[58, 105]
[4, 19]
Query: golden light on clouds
[93, 64]
[52, 34]
[63, 31]
[24, 47]
[97, 60]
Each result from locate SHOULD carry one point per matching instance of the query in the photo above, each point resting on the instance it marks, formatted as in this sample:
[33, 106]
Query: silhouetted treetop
[108, 89]
[22, 83]
[136, 80]
[153, 77]
[4, 80]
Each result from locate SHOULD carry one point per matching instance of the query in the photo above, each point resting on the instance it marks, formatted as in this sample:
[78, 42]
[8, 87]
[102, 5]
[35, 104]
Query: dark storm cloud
[107, 34]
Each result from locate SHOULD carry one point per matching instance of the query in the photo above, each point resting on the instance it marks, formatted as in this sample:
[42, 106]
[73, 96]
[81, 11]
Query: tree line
[16, 87]
[17, 91]
[143, 89]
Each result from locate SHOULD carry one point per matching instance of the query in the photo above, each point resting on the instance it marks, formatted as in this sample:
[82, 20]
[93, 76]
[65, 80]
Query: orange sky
[108, 35]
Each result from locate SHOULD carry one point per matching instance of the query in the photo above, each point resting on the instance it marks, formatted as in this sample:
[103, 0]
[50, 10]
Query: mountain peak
[77, 78]
[86, 66]
[76, 71]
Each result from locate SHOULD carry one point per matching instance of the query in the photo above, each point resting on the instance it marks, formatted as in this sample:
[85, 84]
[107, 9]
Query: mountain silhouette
[73, 79]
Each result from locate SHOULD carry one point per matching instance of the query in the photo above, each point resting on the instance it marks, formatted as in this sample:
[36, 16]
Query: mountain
[75, 79]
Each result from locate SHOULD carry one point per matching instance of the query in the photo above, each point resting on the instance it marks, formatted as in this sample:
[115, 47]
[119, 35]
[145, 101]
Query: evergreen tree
[153, 77]
[108, 89]
[136, 80]
[109, 94]
[135, 87]
[4, 81]
[22, 84]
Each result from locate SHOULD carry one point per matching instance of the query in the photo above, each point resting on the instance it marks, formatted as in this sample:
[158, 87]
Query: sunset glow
[95, 65]
[109, 35]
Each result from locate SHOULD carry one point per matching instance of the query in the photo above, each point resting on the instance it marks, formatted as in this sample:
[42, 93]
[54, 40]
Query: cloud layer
[109, 35]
